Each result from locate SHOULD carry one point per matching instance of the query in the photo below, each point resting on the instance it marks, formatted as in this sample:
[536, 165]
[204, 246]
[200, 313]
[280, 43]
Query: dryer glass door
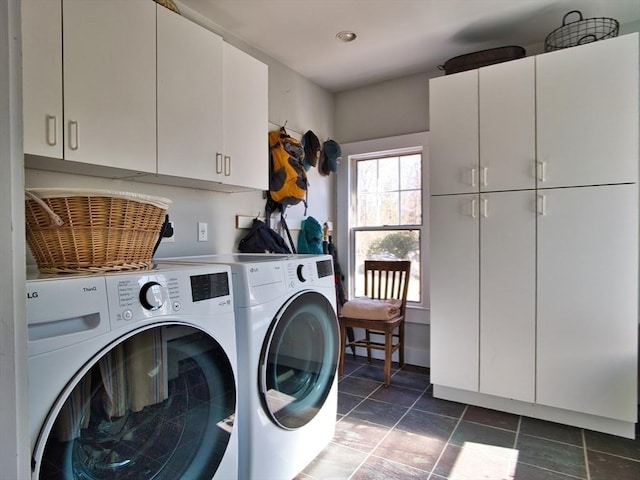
[299, 359]
[159, 405]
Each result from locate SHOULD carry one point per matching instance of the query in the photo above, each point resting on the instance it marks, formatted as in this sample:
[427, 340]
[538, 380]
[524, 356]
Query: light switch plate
[203, 232]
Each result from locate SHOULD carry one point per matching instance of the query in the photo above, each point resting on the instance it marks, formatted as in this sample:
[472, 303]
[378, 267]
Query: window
[387, 215]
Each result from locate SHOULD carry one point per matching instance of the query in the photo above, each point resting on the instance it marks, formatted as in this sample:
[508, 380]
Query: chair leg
[343, 347]
[388, 340]
[401, 349]
[368, 337]
[351, 337]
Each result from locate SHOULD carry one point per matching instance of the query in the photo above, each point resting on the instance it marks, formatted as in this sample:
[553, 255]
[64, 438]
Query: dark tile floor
[402, 432]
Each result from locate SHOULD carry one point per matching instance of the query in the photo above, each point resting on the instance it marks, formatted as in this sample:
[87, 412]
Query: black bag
[262, 239]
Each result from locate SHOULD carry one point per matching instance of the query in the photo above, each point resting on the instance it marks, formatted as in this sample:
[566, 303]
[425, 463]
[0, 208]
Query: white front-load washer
[288, 344]
[133, 375]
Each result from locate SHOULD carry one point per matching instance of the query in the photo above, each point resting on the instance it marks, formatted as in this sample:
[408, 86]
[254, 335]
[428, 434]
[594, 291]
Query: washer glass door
[158, 405]
[299, 359]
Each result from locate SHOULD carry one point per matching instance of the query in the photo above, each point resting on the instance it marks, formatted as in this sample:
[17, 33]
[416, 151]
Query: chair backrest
[387, 279]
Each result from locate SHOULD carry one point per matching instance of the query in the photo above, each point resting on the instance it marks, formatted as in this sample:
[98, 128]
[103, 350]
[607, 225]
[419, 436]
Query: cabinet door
[246, 91]
[587, 118]
[110, 83]
[507, 294]
[42, 77]
[587, 300]
[453, 130]
[189, 99]
[454, 237]
[507, 126]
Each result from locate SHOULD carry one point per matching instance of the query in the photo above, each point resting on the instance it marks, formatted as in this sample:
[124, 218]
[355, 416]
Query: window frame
[396, 227]
[347, 195]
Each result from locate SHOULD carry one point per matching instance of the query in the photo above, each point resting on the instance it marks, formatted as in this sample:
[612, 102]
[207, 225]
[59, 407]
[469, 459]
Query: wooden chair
[383, 280]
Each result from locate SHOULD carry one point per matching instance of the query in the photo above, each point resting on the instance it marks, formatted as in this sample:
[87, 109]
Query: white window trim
[416, 313]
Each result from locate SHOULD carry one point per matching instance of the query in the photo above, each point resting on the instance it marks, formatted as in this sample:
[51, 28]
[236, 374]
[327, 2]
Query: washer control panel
[190, 290]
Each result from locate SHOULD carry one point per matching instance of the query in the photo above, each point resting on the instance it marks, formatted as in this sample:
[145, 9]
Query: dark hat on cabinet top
[330, 157]
[311, 150]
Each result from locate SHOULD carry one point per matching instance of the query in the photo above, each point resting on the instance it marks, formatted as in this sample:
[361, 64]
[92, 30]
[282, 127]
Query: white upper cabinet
[190, 143]
[246, 151]
[453, 126]
[482, 126]
[42, 77]
[109, 69]
[587, 116]
[507, 126]
[121, 88]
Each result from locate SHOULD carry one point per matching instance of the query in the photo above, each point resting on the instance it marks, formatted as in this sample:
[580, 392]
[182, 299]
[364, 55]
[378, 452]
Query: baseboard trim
[542, 412]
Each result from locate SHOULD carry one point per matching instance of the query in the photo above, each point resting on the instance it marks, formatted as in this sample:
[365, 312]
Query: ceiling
[395, 37]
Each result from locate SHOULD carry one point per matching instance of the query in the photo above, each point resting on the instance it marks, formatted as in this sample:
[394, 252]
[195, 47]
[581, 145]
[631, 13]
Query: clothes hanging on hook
[310, 236]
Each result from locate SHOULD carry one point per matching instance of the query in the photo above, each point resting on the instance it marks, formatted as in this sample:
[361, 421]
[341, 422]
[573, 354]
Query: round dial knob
[152, 296]
[300, 272]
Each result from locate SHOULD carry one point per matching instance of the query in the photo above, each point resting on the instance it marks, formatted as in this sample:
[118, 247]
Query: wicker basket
[580, 32]
[74, 230]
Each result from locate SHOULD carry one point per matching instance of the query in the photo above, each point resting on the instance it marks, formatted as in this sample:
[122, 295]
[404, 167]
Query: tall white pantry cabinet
[534, 235]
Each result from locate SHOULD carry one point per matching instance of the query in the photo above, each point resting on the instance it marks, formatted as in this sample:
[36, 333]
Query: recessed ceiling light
[346, 36]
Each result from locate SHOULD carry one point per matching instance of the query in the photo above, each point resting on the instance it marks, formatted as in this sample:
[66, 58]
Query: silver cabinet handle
[219, 165]
[483, 180]
[485, 212]
[542, 171]
[227, 165]
[542, 204]
[51, 130]
[473, 177]
[474, 213]
[74, 135]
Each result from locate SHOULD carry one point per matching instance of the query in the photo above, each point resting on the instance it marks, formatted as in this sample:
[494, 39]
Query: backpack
[287, 176]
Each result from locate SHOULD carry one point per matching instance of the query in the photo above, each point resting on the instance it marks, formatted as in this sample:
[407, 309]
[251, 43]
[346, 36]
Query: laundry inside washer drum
[99, 434]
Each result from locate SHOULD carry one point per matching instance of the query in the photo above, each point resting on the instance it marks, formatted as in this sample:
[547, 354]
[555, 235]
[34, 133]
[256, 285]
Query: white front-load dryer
[133, 375]
[288, 344]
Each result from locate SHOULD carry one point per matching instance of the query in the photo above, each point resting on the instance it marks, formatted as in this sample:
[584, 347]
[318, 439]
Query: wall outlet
[203, 232]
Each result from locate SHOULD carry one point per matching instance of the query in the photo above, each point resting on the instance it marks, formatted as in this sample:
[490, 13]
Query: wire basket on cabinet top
[579, 32]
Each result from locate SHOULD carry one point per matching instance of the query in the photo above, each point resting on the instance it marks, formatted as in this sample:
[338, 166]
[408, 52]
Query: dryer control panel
[309, 271]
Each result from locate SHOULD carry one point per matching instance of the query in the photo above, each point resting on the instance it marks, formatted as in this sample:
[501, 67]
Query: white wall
[191, 206]
[386, 109]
